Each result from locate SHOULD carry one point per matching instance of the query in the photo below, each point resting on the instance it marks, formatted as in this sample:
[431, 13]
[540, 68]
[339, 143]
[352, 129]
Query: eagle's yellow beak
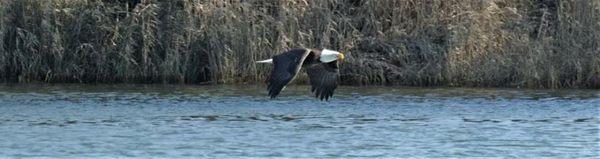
[341, 57]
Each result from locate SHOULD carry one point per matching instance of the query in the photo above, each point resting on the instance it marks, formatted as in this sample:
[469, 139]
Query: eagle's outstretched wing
[323, 79]
[285, 68]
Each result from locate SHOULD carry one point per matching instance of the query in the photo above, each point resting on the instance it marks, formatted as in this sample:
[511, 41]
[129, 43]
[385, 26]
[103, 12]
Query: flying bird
[321, 65]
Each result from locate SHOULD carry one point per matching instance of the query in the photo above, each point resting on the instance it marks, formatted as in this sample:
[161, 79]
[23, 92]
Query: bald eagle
[320, 64]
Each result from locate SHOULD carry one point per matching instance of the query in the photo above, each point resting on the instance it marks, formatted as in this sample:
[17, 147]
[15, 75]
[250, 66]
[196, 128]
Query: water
[239, 121]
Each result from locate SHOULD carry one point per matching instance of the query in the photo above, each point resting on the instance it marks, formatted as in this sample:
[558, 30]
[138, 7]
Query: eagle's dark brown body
[323, 76]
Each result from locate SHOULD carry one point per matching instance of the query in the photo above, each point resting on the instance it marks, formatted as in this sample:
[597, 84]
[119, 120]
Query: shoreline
[518, 44]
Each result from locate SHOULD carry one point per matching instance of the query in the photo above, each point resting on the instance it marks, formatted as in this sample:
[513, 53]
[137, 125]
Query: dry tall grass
[514, 43]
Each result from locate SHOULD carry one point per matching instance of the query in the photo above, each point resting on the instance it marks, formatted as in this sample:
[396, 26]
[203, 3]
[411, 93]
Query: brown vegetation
[513, 43]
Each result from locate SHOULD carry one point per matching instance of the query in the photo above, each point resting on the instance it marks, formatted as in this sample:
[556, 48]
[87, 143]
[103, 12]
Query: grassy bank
[512, 43]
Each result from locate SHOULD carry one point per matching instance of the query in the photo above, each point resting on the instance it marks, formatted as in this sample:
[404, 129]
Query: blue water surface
[172, 121]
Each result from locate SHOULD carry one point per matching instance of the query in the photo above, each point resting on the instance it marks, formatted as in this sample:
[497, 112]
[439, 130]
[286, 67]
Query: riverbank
[510, 43]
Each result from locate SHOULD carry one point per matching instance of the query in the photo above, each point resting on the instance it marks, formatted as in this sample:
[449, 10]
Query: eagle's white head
[330, 55]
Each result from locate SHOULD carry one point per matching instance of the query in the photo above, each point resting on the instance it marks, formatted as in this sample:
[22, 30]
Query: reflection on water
[235, 121]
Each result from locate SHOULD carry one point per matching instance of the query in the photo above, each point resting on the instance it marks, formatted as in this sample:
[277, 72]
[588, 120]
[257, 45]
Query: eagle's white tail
[265, 61]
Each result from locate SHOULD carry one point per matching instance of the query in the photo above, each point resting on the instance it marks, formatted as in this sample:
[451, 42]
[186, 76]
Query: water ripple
[170, 121]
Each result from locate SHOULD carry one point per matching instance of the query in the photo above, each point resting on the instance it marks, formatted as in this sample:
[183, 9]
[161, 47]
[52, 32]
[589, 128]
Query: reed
[498, 43]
